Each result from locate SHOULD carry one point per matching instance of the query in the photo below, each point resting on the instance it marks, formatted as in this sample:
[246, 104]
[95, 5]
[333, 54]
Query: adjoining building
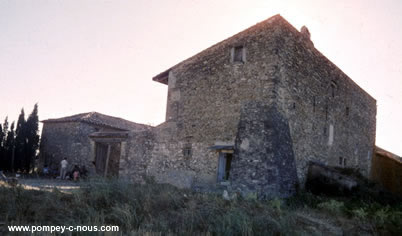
[251, 112]
[387, 170]
[78, 137]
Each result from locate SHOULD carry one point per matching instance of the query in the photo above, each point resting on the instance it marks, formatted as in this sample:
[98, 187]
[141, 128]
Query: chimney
[306, 34]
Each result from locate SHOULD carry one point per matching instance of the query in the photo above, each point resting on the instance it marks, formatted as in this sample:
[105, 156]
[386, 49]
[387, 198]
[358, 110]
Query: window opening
[187, 151]
[342, 161]
[225, 162]
[238, 54]
[314, 104]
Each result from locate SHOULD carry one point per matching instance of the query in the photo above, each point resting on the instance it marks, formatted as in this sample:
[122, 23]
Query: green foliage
[18, 148]
[276, 204]
[20, 142]
[9, 147]
[332, 206]
[32, 138]
[360, 213]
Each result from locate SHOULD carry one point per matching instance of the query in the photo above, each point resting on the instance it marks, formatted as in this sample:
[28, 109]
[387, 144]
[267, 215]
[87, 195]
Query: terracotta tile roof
[385, 153]
[96, 118]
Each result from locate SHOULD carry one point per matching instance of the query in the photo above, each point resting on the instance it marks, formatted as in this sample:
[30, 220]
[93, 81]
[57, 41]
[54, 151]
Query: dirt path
[48, 184]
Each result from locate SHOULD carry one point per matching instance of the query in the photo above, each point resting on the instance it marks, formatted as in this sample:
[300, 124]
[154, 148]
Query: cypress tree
[2, 158]
[20, 142]
[32, 137]
[9, 148]
[3, 147]
[5, 129]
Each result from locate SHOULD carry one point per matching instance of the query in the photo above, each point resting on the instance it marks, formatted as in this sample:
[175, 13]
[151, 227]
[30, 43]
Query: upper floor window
[333, 88]
[238, 54]
[187, 149]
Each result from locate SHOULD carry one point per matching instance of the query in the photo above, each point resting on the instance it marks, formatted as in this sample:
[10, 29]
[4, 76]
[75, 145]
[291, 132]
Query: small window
[325, 130]
[238, 54]
[224, 166]
[294, 105]
[187, 152]
[347, 111]
[342, 162]
[326, 112]
[333, 88]
[314, 104]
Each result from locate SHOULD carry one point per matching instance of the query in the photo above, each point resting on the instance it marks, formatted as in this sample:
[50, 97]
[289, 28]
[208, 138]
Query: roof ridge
[97, 118]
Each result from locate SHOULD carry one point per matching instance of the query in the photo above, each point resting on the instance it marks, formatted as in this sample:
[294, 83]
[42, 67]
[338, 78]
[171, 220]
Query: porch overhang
[109, 137]
[222, 148]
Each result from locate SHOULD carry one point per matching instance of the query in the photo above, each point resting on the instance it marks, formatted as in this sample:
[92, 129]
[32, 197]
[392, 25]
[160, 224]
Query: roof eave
[162, 77]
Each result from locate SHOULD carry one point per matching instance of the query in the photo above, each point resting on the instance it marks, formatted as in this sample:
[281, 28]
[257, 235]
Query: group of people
[75, 174]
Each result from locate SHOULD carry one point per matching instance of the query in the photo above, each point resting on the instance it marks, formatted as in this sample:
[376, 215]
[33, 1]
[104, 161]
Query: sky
[76, 56]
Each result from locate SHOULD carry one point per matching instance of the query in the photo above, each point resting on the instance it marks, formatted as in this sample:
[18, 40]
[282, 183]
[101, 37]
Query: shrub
[332, 206]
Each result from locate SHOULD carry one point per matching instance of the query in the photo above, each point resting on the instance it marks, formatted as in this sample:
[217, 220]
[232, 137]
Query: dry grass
[163, 208]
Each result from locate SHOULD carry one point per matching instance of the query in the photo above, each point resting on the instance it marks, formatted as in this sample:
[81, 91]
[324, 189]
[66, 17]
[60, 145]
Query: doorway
[107, 159]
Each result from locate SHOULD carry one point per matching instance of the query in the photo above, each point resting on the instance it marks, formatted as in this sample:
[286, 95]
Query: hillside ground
[159, 208]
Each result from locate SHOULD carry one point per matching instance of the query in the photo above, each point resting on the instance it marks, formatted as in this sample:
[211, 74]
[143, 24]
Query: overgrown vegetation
[162, 208]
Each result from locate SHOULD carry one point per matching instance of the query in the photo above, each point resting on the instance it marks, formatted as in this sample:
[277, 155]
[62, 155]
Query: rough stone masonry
[250, 113]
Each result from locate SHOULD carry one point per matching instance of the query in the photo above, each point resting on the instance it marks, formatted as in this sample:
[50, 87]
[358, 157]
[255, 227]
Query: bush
[332, 206]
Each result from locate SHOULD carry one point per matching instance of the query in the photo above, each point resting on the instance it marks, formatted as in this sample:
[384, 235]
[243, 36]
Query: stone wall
[68, 140]
[332, 120]
[263, 159]
[136, 154]
[329, 117]
[205, 96]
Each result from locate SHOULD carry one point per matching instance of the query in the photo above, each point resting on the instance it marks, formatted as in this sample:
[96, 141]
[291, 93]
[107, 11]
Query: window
[225, 162]
[347, 111]
[342, 161]
[314, 104]
[333, 88]
[187, 151]
[238, 54]
[326, 112]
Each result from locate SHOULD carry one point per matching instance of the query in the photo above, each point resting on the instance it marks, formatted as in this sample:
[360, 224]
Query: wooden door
[114, 160]
[100, 158]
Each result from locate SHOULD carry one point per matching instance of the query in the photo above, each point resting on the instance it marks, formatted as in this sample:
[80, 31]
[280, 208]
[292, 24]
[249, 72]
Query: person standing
[63, 169]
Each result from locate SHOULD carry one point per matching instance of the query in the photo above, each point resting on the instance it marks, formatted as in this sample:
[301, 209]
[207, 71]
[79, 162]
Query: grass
[163, 208]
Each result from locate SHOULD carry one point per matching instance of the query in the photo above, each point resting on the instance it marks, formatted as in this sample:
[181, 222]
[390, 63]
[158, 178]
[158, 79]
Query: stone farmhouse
[250, 113]
[77, 139]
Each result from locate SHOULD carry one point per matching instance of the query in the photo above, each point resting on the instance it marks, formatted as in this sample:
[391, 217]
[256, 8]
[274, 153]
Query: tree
[20, 142]
[3, 136]
[5, 129]
[9, 148]
[2, 158]
[32, 137]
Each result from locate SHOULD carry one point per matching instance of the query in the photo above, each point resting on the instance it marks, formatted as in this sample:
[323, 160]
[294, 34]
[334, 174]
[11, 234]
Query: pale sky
[75, 56]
